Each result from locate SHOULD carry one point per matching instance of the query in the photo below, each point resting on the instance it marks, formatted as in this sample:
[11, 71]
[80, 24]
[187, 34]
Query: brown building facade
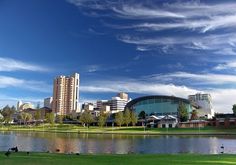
[66, 94]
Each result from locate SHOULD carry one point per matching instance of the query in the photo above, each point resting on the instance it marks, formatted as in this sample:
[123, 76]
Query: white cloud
[8, 64]
[225, 66]
[8, 100]
[40, 86]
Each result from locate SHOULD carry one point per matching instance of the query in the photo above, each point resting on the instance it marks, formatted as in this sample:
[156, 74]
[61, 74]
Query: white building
[48, 102]
[204, 101]
[117, 104]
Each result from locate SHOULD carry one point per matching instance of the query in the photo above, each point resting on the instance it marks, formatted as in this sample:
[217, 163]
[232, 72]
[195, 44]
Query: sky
[142, 47]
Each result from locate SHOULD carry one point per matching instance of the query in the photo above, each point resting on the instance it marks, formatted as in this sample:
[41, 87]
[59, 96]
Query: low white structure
[167, 121]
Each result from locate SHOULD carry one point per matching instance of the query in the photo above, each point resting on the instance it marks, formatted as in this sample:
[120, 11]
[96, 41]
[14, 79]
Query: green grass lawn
[63, 159]
[126, 130]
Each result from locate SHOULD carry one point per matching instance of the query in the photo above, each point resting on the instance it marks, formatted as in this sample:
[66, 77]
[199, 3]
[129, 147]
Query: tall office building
[204, 102]
[66, 94]
[48, 102]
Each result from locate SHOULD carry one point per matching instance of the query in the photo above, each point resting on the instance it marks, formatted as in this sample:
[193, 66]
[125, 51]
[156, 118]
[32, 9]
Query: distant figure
[14, 149]
[57, 150]
[222, 146]
[8, 153]
[27, 153]
[77, 154]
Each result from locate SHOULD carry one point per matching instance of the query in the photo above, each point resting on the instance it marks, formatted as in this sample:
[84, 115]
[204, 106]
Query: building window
[170, 125]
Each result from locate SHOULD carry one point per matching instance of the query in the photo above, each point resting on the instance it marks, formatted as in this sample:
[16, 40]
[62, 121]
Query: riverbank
[66, 128]
[163, 159]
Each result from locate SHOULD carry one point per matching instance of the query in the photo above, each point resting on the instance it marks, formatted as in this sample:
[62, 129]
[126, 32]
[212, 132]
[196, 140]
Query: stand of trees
[127, 117]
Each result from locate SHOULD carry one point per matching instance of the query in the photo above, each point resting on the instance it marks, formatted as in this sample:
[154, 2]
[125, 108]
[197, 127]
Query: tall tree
[134, 118]
[127, 118]
[194, 115]
[102, 118]
[182, 112]
[119, 118]
[234, 109]
[86, 118]
[50, 118]
[7, 113]
[142, 115]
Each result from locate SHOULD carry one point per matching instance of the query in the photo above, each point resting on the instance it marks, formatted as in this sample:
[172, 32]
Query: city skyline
[169, 48]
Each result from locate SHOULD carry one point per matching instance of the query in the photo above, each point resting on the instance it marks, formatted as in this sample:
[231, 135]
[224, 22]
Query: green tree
[119, 118]
[134, 118]
[25, 117]
[142, 115]
[86, 118]
[13, 108]
[234, 109]
[7, 113]
[194, 115]
[50, 118]
[182, 112]
[37, 115]
[60, 119]
[127, 117]
[102, 118]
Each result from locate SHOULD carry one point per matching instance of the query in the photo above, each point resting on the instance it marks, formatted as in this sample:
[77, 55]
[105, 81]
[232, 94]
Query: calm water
[120, 144]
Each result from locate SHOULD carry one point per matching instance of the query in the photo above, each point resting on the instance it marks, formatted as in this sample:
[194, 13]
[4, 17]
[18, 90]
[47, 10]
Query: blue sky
[140, 47]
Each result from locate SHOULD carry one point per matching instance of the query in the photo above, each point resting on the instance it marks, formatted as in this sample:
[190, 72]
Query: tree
[86, 118]
[127, 118]
[25, 117]
[194, 115]
[133, 117]
[234, 109]
[102, 118]
[119, 118]
[182, 112]
[60, 119]
[7, 113]
[50, 118]
[142, 115]
[37, 115]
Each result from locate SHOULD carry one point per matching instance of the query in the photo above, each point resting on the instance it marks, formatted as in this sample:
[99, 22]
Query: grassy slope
[62, 159]
[134, 130]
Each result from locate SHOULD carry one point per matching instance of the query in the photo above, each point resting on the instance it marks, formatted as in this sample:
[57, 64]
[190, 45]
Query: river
[118, 144]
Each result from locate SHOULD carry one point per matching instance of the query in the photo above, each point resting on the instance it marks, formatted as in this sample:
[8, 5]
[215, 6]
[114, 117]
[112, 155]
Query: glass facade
[158, 105]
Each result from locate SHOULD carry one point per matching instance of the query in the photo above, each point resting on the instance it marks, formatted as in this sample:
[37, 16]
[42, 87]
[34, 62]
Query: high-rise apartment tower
[66, 94]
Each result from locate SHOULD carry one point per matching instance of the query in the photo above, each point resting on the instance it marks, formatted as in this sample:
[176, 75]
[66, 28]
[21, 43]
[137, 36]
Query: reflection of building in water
[214, 145]
[64, 144]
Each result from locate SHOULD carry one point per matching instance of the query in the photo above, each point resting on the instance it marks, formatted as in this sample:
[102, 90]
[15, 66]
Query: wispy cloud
[9, 64]
[200, 78]
[194, 17]
[220, 44]
[40, 86]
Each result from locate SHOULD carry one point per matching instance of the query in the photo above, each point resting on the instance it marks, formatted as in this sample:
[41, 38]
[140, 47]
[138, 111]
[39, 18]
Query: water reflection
[119, 144]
